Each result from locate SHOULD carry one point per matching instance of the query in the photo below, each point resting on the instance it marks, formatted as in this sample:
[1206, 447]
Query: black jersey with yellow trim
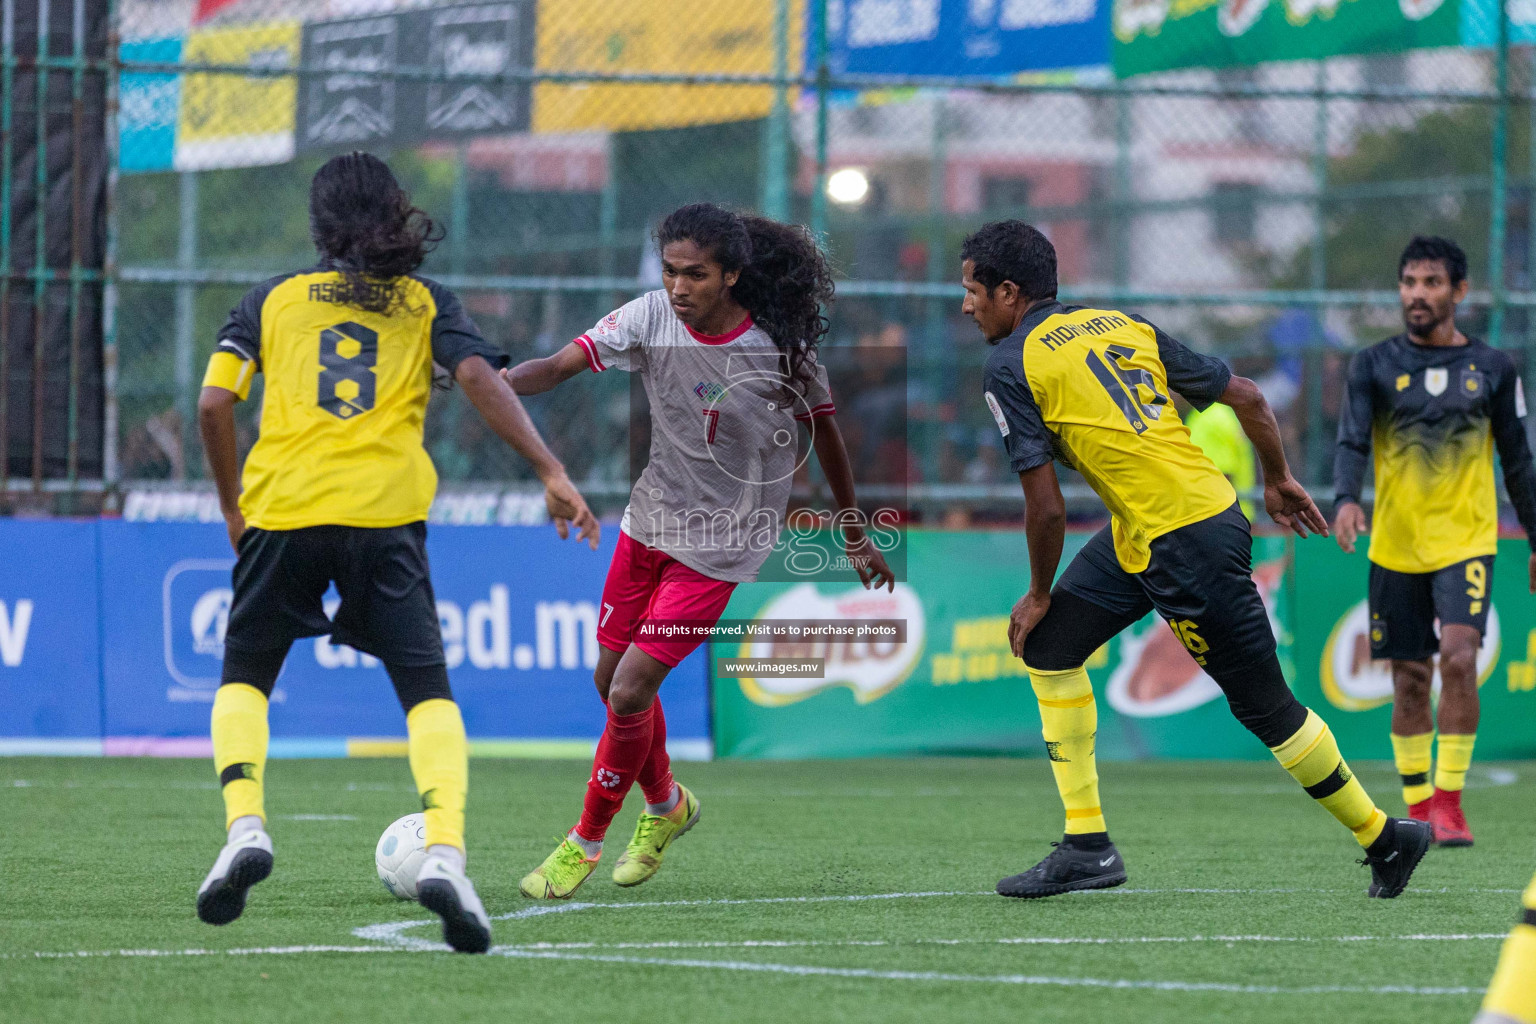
[345, 398]
[1433, 416]
[1090, 388]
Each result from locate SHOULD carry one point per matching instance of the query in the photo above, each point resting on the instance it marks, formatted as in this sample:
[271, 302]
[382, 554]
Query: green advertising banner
[1337, 677]
[1161, 35]
[953, 686]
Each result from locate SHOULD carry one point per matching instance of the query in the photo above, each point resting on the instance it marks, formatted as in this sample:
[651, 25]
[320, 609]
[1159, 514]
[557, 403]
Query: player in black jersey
[1433, 403]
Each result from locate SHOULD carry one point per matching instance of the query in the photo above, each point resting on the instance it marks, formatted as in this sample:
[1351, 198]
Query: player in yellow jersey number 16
[1091, 387]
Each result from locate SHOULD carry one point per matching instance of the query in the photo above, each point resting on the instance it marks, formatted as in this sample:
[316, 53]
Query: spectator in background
[986, 467]
[877, 401]
[952, 454]
[1218, 433]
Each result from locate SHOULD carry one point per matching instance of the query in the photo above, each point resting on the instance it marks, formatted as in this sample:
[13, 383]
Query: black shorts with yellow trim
[387, 606]
[1405, 605]
[1199, 579]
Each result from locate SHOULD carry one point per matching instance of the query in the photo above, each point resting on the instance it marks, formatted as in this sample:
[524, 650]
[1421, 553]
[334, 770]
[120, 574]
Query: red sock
[623, 749]
[656, 774]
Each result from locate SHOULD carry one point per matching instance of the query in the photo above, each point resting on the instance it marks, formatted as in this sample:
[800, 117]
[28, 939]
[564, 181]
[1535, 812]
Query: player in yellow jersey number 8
[336, 491]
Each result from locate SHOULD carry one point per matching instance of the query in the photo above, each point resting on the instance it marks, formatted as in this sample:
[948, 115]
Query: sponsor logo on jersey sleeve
[997, 413]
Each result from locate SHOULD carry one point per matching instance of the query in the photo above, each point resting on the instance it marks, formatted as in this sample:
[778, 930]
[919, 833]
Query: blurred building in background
[1243, 174]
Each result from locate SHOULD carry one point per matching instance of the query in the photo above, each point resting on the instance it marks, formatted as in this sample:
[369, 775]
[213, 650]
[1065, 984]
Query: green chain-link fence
[1255, 210]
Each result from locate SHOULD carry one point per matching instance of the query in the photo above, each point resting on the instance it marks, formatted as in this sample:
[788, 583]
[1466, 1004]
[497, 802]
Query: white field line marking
[318, 817]
[392, 939]
[1498, 776]
[253, 951]
[393, 933]
[1032, 940]
[507, 950]
[559, 908]
[806, 970]
[1261, 892]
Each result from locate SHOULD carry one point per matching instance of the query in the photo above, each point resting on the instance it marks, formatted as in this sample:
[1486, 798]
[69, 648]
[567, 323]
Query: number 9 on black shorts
[1405, 605]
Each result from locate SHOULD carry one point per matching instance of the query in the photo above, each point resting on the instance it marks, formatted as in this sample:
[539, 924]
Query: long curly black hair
[364, 226]
[785, 282]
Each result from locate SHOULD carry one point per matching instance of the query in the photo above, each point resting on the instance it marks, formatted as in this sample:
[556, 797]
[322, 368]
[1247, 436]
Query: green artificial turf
[102, 856]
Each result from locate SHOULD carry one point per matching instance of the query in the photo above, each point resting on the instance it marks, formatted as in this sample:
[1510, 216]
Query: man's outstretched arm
[501, 410]
[536, 376]
[832, 454]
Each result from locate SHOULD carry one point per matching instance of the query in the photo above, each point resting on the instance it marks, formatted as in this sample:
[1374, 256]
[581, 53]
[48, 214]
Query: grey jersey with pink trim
[724, 436]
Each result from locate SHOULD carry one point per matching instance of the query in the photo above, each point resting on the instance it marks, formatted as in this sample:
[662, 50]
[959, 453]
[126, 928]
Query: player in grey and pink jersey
[727, 354]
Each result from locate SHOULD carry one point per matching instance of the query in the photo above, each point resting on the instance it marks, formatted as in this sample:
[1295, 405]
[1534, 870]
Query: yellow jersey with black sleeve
[1090, 388]
[345, 398]
[1434, 416]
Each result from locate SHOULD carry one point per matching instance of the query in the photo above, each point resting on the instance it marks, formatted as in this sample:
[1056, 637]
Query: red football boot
[1445, 817]
[1420, 810]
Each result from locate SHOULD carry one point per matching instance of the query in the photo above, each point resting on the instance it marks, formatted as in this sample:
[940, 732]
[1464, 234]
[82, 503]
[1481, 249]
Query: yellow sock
[1070, 721]
[440, 763]
[1312, 757]
[1412, 754]
[240, 748]
[1512, 992]
[1455, 758]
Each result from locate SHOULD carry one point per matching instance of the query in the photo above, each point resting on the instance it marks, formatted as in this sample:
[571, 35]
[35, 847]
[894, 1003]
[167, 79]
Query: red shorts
[645, 584]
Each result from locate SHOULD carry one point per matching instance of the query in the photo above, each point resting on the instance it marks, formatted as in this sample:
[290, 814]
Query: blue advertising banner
[518, 609]
[149, 105]
[983, 38]
[114, 631]
[50, 663]
[1480, 25]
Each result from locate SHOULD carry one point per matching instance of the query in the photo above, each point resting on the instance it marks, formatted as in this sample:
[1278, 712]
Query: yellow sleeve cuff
[228, 371]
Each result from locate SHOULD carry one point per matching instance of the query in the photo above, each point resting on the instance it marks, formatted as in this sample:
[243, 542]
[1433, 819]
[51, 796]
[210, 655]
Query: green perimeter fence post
[40, 245]
[1498, 198]
[934, 354]
[1318, 449]
[7, 105]
[109, 464]
[1529, 284]
[76, 236]
[608, 217]
[775, 201]
[458, 211]
[823, 85]
[1120, 223]
[186, 306]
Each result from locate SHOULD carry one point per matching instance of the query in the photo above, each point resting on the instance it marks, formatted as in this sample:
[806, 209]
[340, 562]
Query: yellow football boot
[653, 834]
[560, 875]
